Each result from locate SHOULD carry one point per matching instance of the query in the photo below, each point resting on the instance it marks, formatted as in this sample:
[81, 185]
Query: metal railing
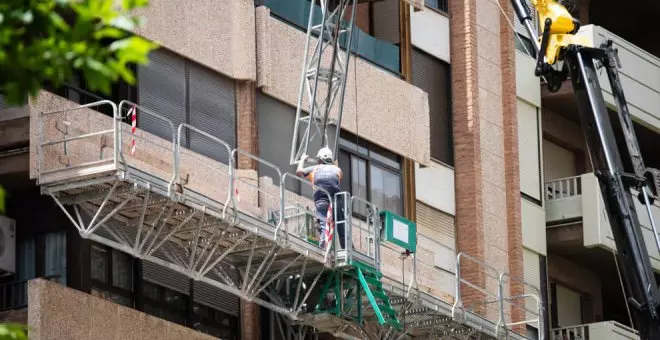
[14, 295]
[177, 161]
[586, 332]
[563, 188]
[368, 231]
[298, 207]
[498, 299]
[513, 301]
[120, 134]
[63, 126]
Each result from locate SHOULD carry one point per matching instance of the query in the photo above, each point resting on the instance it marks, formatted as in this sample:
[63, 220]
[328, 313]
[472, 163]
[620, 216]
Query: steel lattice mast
[323, 83]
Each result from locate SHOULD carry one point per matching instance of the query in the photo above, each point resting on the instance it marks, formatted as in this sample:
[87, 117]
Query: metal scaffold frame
[316, 74]
[267, 260]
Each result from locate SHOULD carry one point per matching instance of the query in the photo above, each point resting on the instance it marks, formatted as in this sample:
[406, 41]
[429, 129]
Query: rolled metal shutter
[165, 277]
[276, 120]
[386, 21]
[519, 27]
[213, 110]
[528, 150]
[435, 224]
[437, 227]
[532, 275]
[432, 76]
[216, 298]
[162, 89]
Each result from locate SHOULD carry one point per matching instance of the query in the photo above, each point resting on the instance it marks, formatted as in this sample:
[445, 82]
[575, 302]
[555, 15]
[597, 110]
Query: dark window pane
[359, 183]
[150, 290]
[385, 189]
[345, 165]
[122, 270]
[99, 264]
[175, 299]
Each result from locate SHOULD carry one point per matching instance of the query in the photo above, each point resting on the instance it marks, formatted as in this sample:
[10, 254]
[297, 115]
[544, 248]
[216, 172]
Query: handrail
[119, 136]
[373, 213]
[177, 155]
[539, 306]
[457, 299]
[40, 127]
[283, 198]
[232, 175]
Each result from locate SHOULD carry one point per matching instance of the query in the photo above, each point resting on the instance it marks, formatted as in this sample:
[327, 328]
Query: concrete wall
[596, 226]
[217, 34]
[57, 312]
[392, 113]
[430, 33]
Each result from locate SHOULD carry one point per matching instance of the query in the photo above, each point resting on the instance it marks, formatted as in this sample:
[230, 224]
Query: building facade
[444, 123]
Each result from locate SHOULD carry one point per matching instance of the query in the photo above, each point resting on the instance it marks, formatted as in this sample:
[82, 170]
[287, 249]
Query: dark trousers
[322, 213]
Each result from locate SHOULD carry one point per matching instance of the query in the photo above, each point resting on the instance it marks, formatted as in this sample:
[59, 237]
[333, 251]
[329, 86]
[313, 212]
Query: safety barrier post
[148, 112]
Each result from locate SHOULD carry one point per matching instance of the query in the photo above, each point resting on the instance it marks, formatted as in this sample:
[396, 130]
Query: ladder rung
[381, 295]
[388, 310]
[393, 323]
[373, 281]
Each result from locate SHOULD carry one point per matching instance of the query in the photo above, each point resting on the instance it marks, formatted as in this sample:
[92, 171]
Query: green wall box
[399, 230]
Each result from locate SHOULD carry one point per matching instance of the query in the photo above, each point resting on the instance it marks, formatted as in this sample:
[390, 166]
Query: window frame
[442, 9]
[109, 286]
[363, 150]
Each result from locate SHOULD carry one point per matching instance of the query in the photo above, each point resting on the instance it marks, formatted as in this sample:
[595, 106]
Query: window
[372, 174]
[175, 88]
[524, 44]
[111, 272]
[440, 5]
[433, 76]
[77, 90]
[186, 92]
[55, 256]
[529, 150]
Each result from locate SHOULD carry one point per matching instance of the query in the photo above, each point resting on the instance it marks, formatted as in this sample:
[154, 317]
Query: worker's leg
[321, 216]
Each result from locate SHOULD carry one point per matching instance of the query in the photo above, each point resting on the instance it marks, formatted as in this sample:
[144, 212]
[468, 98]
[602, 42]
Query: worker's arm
[301, 170]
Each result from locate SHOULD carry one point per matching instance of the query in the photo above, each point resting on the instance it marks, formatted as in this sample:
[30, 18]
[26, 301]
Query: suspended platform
[158, 200]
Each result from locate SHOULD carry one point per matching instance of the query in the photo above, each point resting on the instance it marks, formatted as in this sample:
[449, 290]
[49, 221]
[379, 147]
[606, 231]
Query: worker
[327, 176]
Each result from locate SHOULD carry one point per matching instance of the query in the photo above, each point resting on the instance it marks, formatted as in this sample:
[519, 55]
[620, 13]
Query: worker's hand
[303, 158]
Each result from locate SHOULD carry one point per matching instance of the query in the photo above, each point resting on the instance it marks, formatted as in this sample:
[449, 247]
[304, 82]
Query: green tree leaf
[48, 41]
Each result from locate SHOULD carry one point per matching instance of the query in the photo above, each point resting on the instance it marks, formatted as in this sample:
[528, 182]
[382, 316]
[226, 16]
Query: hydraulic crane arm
[559, 42]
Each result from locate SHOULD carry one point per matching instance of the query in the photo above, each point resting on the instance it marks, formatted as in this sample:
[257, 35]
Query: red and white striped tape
[133, 114]
[238, 197]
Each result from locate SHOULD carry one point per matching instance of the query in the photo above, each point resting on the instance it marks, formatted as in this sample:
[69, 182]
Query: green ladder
[357, 279]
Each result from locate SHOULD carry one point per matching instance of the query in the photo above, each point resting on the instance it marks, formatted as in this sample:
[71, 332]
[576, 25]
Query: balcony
[601, 330]
[90, 317]
[640, 77]
[381, 53]
[578, 201]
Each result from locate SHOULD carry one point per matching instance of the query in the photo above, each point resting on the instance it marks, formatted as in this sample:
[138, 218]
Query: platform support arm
[615, 184]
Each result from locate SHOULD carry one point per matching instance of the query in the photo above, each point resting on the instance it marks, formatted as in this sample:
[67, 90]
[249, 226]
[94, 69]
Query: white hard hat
[325, 154]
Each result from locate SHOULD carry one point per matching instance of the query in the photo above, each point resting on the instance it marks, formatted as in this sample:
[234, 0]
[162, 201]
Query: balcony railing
[563, 188]
[14, 295]
[610, 330]
[381, 53]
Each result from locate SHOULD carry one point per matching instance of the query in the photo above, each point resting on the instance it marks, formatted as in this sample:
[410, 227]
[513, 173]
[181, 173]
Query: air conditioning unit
[7, 245]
